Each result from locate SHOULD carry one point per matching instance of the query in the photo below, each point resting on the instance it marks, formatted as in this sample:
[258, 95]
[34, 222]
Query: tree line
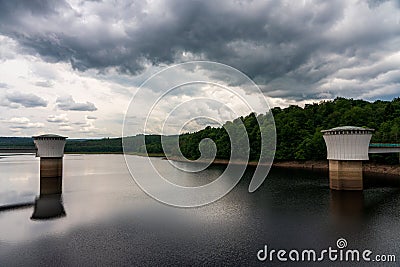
[298, 132]
[298, 129]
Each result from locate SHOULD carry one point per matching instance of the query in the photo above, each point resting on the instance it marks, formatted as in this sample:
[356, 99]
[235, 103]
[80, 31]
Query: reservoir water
[108, 220]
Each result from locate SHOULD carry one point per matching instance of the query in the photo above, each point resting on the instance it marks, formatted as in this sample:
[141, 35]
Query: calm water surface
[110, 221]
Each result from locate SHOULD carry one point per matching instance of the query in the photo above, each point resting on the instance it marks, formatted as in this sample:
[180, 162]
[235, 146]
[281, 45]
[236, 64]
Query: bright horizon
[113, 137]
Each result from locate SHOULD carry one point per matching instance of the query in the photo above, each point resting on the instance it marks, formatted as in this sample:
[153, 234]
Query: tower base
[51, 176]
[345, 174]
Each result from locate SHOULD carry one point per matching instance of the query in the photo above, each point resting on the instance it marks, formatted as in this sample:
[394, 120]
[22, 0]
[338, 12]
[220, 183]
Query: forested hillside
[16, 142]
[298, 131]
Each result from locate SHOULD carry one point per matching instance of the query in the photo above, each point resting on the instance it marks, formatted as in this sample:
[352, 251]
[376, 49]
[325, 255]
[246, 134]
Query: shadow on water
[16, 206]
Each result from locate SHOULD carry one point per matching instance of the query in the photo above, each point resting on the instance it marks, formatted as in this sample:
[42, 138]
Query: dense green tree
[298, 132]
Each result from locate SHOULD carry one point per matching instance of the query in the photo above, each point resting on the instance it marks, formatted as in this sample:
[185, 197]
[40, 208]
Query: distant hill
[16, 142]
[104, 145]
[298, 132]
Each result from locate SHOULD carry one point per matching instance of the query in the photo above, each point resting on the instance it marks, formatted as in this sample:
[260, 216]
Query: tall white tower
[347, 147]
[50, 149]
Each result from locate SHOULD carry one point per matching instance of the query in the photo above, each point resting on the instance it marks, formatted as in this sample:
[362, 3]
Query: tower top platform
[347, 142]
[348, 130]
[49, 136]
[49, 145]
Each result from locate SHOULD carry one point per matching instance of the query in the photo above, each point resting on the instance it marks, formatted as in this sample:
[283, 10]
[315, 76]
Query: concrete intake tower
[50, 149]
[347, 148]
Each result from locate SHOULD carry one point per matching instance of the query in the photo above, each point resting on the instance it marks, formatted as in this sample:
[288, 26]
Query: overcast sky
[71, 67]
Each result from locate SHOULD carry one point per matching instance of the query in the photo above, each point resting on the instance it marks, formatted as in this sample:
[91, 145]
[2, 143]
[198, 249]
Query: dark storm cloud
[293, 49]
[15, 99]
[220, 32]
[68, 103]
[376, 3]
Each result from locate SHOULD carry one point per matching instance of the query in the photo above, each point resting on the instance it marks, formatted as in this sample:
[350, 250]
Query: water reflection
[49, 204]
[119, 223]
[346, 204]
[48, 207]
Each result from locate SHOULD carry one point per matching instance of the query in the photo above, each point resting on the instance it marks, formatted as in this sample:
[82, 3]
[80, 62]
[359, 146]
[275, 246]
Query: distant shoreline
[321, 165]
[368, 167]
[153, 155]
[318, 165]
